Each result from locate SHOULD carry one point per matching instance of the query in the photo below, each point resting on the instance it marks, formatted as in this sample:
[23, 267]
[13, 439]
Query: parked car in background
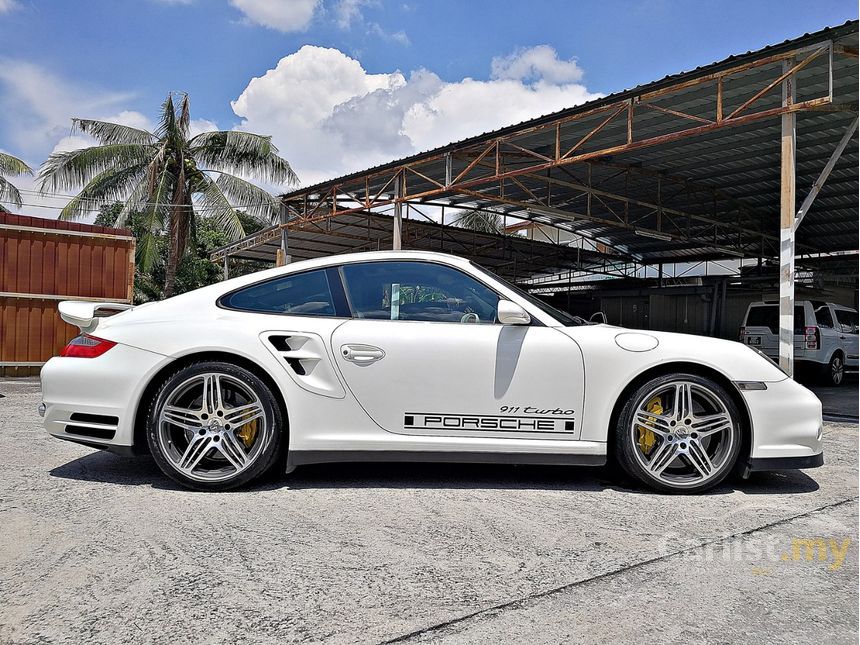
[825, 336]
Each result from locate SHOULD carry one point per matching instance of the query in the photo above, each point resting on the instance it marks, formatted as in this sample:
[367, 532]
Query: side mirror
[598, 317]
[510, 313]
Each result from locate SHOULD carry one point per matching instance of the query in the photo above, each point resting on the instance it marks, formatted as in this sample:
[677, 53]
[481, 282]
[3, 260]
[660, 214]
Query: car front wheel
[679, 433]
[214, 426]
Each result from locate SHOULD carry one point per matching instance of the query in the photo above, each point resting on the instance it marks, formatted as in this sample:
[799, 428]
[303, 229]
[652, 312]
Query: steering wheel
[470, 318]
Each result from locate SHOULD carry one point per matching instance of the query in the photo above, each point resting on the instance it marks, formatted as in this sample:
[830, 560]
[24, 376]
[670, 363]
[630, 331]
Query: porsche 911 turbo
[413, 356]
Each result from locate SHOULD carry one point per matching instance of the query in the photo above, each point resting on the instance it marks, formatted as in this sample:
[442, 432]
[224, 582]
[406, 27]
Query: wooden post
[786, 226]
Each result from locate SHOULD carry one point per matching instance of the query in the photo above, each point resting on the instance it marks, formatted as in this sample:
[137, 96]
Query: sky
[342, 85]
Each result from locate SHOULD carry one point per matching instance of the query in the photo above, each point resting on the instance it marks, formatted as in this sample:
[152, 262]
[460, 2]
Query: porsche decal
[487, 423]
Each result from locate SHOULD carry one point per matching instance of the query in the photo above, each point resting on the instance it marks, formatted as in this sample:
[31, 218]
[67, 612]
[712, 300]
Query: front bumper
[93, 401]
[786, 463]
[786, 422]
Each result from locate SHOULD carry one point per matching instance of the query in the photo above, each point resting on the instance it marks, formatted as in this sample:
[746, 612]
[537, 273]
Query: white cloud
[36, 106]
[329, 116]
[8, 5]
[539, 62]
[348, 11]
[281, 15]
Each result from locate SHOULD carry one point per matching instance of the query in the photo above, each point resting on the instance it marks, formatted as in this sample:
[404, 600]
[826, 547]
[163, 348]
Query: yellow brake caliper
[647, 438]
[247, 433]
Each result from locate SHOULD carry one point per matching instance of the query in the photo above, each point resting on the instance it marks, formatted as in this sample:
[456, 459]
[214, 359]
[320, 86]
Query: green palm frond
[184, 116]
[244, 153]
[109, 186]
[218, 207]
[251, 198]
[109, 133]
[9, 193]
[68, 170]
[154, 219]
[481, 221]
[10, 165]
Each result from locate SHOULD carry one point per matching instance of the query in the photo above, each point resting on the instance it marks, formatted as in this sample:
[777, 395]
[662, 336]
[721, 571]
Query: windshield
[564, 318]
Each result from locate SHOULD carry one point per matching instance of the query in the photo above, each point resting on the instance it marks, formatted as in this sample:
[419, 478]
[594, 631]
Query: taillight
[743, 333]
[86, 347]
[811, 337]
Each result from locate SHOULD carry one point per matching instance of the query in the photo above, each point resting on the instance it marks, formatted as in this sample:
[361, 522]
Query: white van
[825, 336]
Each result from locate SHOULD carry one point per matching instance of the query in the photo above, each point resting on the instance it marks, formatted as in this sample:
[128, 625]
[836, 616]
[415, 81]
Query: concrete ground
[102, 549]
[839, 402]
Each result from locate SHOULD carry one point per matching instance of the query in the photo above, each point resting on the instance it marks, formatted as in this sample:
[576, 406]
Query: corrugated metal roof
[725, 181]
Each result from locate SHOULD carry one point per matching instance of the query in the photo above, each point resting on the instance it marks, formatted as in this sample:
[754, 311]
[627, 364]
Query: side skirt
[302, 457]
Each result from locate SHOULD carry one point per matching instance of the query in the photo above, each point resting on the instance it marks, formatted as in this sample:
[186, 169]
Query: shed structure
[754, 157]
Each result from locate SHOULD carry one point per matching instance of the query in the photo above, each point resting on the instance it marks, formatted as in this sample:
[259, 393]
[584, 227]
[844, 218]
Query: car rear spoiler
[85, 315]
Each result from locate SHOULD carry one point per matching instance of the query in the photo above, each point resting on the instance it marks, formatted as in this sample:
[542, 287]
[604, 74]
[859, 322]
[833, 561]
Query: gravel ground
[103, 549]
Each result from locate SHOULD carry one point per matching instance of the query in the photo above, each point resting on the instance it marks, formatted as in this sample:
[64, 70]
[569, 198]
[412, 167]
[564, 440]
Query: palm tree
[10, 165]
[167, 177]
[481, 221]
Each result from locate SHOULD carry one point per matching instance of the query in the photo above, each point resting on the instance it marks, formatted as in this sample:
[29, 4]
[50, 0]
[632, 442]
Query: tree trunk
[173, 256]
[180, 216]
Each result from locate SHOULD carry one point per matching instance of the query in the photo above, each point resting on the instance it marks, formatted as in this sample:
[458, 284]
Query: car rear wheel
[679, 433]
[214, 426]
[834, 372]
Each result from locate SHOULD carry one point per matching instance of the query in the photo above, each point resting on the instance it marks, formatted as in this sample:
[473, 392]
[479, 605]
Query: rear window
[823, 317]
[301, 294]
[847, 321]
[768, 316]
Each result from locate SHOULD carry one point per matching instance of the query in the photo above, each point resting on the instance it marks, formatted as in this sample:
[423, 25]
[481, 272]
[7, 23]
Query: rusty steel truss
[564, 170]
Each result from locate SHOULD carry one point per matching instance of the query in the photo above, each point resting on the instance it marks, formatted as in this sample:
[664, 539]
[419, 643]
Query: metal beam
[825, 173]
[787, 205]
[284, 216]
[396, 240]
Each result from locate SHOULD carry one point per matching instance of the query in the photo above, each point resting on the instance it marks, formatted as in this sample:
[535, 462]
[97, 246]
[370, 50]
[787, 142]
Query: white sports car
[413, 356]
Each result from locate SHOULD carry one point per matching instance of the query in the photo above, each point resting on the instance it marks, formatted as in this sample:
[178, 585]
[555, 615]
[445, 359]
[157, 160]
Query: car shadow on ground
[106, 467]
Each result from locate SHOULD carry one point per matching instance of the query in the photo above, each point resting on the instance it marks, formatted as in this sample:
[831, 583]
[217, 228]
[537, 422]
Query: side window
[302, 294]
[847, 321]
[823, 317]
[417, 291]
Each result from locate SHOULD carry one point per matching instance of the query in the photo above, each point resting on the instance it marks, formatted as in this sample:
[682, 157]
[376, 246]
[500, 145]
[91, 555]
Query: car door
[425, 355]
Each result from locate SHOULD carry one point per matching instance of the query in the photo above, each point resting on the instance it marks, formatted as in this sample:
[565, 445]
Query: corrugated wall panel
[54, 263]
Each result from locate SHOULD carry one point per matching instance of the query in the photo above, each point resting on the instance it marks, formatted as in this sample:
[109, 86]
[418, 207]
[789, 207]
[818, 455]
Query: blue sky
[379, 78]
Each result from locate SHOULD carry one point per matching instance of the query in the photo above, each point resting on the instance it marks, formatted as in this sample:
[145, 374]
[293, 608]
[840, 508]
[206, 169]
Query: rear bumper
[93, 401]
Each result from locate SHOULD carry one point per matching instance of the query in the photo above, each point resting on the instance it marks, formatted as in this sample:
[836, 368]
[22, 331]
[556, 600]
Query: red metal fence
[44, 261]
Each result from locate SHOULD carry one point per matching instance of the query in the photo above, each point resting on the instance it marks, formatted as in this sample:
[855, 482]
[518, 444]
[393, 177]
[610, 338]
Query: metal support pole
[226, 268]
[283, 217]
[787, 211]
[398, 213]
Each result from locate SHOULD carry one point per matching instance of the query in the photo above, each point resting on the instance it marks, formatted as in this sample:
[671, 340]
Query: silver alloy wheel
[837, 370]
[693, 434]
[212, 427]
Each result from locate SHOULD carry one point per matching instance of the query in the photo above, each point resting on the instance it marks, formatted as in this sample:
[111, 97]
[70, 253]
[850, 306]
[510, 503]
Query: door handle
[362, 354]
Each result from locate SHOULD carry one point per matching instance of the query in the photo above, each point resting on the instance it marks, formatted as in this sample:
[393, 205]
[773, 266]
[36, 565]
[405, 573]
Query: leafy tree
[195, 270]
[10, 165]
[166, 177]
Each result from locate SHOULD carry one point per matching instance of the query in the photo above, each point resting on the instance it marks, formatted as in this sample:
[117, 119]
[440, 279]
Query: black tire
[726, 445]
[833, 374]
[264, 457]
